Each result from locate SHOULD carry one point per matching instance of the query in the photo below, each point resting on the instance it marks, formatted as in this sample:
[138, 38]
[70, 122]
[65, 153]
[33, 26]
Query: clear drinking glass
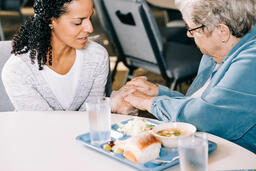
[193, 151]
[99, 119]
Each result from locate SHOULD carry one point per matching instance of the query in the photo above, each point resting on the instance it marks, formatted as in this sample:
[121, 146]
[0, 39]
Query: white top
[200, 91]
[64, 86]
[45, 141]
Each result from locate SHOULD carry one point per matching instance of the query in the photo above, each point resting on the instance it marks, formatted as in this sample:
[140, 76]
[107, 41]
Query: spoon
[158, 161]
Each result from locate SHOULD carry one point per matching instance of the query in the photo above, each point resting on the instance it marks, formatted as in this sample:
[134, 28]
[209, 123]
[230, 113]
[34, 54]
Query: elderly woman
[222, 97]
[54, 66]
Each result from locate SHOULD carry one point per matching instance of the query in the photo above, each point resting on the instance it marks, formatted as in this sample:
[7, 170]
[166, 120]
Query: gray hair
[238, 15]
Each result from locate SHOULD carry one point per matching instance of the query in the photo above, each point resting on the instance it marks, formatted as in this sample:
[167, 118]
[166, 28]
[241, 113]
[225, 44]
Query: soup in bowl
[168, 133]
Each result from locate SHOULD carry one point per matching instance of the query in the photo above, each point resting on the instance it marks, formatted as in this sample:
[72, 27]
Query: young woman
[54, 66]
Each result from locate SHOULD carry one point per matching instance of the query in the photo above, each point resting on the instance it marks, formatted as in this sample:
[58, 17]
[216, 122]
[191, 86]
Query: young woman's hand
[118, 105]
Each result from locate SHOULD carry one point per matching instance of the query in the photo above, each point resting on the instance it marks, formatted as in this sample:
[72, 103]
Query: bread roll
[142, 148]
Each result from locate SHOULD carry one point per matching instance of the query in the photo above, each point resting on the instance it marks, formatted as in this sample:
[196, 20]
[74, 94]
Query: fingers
[135, 100]
[126, 108]
[139, 100]
[134, 112]
[140, 77]
[138, 81]
[118, 105]
[144, 86]
[126, 90]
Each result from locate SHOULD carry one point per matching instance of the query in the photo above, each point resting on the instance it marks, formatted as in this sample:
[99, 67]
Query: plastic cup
[193, 151]
[99, 120]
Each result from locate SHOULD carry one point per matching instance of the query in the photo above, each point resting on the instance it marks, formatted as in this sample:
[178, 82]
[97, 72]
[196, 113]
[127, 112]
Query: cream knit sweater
[28, 90]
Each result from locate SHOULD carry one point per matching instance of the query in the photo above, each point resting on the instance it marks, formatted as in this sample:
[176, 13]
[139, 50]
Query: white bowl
[172, 141]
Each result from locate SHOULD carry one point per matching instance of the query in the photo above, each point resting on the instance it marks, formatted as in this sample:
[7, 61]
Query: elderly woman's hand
[118, 105]
[144, 86]
[140, 100]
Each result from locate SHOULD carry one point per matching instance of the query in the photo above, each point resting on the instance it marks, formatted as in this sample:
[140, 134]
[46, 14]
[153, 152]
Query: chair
[110, 33]
[11, 5]
[166, 33]
[5, 103]
[141, 44]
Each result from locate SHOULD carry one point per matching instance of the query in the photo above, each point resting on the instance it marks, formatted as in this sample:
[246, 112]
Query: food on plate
[135, 126]
[111, 143]
[119, 146]
[142, 148]
[118, 150]
[107, 147]
[115, 147]
[168, 132]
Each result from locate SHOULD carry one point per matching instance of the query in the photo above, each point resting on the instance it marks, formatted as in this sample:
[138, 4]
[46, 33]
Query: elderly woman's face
[208, 43]
[74, 27]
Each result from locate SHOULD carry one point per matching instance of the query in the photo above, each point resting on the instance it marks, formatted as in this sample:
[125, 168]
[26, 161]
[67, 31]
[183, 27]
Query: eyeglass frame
[193, 29]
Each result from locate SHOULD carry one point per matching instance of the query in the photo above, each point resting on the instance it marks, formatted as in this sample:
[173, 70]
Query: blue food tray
[165, 153]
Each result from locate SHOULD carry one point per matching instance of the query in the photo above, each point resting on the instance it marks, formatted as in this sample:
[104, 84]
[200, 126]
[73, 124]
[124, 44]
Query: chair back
[5, 103]
[108, 29]
[136, 29]
[104, 19]
[10, 5]
[138, 36]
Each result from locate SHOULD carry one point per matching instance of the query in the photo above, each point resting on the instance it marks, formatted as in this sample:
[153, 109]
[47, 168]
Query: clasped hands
[136, 94]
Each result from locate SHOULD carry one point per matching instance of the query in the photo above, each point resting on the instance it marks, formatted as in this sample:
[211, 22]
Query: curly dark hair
[35, 35]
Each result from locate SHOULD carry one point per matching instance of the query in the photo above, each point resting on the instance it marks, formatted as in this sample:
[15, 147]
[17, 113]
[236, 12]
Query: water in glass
[99, 120]
[193, 153]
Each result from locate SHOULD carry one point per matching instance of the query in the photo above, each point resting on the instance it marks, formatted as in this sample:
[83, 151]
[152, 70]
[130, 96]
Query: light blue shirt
[227, 107]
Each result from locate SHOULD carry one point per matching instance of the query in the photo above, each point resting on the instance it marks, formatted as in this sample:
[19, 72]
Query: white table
[45, 141]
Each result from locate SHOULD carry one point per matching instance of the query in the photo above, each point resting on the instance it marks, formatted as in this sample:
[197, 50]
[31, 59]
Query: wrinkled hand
[139, 100]
[118, 105]
[144, 86]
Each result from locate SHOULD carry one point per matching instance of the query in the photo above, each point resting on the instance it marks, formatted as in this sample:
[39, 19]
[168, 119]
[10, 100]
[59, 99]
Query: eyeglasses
[193, 29]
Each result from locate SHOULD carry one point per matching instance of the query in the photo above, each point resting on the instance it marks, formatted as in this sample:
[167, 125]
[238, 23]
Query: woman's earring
[51, 27]
[223, 41]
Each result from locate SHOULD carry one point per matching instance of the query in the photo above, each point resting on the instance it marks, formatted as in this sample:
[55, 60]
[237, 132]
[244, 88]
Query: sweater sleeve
[100, 75]
[18, 84]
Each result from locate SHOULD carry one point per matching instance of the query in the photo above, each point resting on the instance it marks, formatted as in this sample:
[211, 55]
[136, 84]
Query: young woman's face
[73, 27]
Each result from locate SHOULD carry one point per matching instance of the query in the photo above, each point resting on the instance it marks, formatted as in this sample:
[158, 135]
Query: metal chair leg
[115, 69]
[1, 31]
